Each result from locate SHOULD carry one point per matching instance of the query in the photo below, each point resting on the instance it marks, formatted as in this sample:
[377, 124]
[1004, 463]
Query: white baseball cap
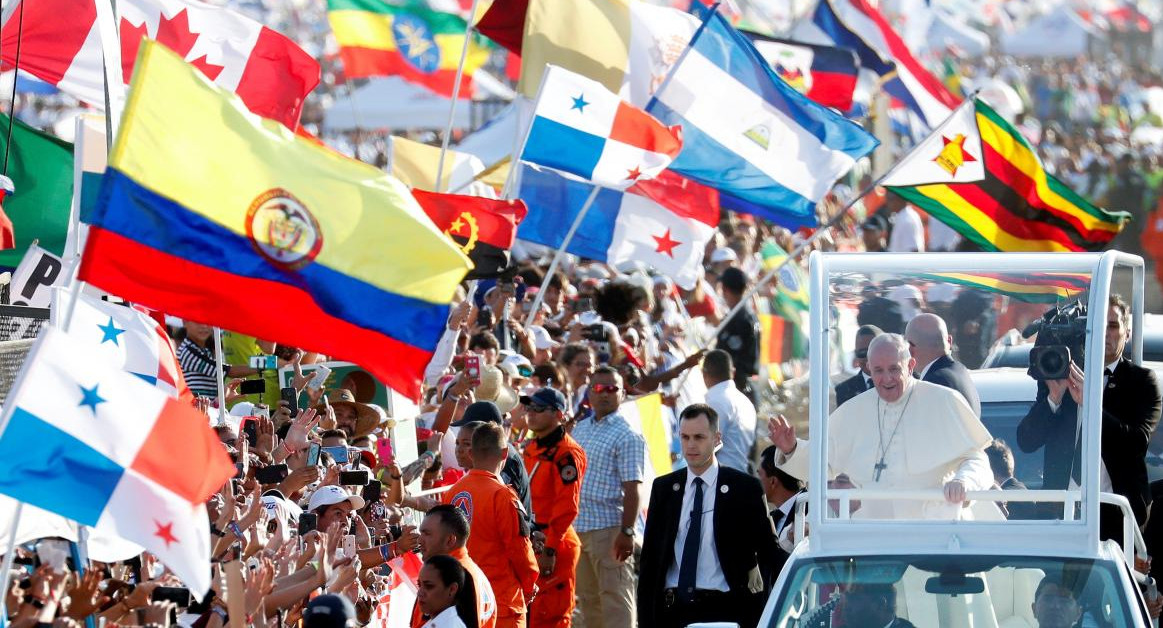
[541, 337]
[330, 495]
[723, 254]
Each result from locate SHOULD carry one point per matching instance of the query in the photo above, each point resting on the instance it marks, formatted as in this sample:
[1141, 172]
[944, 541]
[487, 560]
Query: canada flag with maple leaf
[61, 44]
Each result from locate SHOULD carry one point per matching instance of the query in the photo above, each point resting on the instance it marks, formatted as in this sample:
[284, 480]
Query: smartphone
[250, 429]
[272, 474]
[264, 362]
[252, 387]
[291, 396]
[338, 454]
[308, 522]
[472, 368]
[349, 548]
[177, 595]
[372, 492]
[313, 454]
[354, 478]
[321, 374]
[583, 304]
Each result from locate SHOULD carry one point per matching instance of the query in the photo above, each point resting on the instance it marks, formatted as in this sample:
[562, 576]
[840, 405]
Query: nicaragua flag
[126, 337]
[582, 128]
[746, 131]
[82, 439]
[855, 24]
[664, 223]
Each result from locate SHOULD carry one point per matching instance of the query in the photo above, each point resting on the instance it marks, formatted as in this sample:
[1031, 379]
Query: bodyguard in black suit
[709, 546]
[862, 380]
[1130, 412]
[930, 344]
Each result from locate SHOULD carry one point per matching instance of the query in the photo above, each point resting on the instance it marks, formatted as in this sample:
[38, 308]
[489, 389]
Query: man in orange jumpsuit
[555, 463]
[445, 531]
[499, 542]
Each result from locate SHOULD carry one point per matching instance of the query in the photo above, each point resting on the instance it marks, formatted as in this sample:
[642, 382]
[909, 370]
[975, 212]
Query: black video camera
[1061, 339]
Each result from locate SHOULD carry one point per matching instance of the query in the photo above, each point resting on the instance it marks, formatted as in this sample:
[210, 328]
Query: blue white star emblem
[90, 398]
[579, 103]
[110, 332]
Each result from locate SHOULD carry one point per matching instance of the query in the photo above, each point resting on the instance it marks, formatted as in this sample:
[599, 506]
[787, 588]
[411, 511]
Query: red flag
[484, 228]
[504, 23]
[60, 44]
[7, 233]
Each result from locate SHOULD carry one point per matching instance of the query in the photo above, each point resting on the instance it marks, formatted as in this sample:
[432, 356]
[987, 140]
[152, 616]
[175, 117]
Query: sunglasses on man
[605, 388]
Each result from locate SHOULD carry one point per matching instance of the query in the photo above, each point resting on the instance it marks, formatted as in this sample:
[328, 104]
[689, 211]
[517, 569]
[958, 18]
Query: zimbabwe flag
[1017, 206]
[484, 228]
[1032, 287]
[407, 39]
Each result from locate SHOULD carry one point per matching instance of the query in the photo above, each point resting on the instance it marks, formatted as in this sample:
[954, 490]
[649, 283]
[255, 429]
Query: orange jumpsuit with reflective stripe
[556, 464]
[498, 541]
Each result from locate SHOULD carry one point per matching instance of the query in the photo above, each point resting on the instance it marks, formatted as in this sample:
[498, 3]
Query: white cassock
[921, 441]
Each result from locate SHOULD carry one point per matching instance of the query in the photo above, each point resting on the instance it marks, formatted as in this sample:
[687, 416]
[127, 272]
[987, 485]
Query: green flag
[41, 167]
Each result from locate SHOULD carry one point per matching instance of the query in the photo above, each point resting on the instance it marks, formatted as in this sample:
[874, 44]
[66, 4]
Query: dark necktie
[777, 519]
[868, 384]
[690, 548]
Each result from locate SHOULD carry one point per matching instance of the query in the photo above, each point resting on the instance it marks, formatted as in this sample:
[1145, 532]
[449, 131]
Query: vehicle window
[1002, 419]
[931, 591]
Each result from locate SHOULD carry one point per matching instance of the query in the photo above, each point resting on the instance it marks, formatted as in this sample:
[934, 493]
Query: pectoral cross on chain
[880, 466]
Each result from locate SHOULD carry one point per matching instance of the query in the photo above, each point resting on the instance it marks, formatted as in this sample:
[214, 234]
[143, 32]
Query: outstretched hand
[782, 434]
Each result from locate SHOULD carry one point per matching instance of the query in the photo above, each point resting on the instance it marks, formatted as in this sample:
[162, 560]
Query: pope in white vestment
[903, 434]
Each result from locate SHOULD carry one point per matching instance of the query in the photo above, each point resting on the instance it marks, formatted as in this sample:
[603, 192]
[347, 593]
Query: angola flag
[484, 228]
[408, 39]
[1017, 206]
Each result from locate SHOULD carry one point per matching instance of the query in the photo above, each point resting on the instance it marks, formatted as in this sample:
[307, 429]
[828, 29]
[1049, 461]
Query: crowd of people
[524, 504]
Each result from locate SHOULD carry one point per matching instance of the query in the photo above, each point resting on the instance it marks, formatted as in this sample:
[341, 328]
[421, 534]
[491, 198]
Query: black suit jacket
[849, 388]
[947, 372]
[744, 540]
[1130, 412]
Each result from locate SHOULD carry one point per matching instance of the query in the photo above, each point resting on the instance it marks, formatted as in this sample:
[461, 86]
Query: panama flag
[664, 223]
[82, 439]
[60, 43]
[127, 337]
[582, 128]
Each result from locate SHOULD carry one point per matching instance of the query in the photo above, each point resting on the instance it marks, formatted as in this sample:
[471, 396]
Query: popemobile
[902, 523]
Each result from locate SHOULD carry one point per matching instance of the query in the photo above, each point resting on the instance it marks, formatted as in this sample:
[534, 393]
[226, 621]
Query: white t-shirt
[908, 234]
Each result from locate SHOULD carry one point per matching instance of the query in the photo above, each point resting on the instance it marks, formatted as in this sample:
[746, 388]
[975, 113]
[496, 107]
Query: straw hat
[493, 389]
[366, 417]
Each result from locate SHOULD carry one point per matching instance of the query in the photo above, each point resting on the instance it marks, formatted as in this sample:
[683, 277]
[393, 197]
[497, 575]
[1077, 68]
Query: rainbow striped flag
[408, 39]
[1032, 288]
[1017, 206]
[781, 340]
[209, 213]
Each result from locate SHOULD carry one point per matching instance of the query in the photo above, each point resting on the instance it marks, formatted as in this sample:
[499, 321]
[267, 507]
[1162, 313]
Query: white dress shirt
[446, 619]
[709, 573]
[736, 424]
[1104, 478]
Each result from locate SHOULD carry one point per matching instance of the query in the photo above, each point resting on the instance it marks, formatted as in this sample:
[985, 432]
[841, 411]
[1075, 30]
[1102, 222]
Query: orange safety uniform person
[445, 531]
[556, 464]
[499, 542]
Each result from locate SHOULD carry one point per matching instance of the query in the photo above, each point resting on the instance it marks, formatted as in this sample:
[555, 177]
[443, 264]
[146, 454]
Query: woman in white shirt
[439, 592]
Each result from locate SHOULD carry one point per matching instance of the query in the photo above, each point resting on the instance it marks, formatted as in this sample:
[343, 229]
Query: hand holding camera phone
[472, 368]
[291, 396]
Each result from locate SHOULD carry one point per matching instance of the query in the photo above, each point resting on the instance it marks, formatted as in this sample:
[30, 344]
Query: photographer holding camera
[1130, 412]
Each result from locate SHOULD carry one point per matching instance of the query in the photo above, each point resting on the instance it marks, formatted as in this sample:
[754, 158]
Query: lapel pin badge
[723, 489]
[676, 486]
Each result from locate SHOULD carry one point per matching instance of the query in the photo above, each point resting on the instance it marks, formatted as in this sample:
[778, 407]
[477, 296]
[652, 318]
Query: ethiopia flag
[409, 40]
[1016, 205]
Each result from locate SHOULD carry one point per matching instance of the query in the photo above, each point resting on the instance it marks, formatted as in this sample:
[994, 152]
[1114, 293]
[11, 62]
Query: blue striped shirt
[615, 453]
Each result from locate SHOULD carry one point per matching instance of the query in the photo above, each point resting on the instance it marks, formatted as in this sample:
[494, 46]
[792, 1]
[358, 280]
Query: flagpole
[436, 185]
[561, 252]
[220, 375]
[515, 161]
